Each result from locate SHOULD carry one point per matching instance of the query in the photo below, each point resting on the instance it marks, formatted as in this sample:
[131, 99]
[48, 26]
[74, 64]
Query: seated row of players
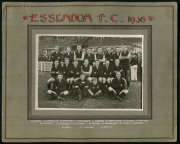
[87, 79]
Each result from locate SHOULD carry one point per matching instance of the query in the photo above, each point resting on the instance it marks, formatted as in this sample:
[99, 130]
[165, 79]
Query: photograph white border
[85, 35]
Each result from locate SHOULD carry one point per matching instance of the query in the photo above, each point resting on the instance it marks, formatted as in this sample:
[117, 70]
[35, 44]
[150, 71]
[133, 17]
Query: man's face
[125, 48]
[86, 62]
[68, 49]
[109, 49]
[100, 50]
[67, 61]
[82, 77]
[117, 50]
[117, 62]
[56, 49]
[107, 62]
[62, 62]
[118, 75]
[97, 63]
[95, 81]
[56, 63]
[75, 63]
[139, 54]
[78, 48]
[60, 77]
[89, 51]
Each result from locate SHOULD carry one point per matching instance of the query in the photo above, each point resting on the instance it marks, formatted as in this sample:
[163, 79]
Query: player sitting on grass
[94, 89]
[54, 72]
[81, 87]
[118, 88]
[59, 89]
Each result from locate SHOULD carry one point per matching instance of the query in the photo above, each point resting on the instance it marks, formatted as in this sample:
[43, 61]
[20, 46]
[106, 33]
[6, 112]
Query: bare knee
[100, 79]
[103, 80]
[89, 79]
[68, 80]
[71, 80]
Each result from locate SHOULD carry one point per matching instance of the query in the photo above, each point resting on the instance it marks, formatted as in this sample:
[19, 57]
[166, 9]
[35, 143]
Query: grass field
[133, 100]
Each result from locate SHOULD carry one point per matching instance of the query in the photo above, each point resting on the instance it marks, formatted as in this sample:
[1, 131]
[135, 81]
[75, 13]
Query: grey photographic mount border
[105, 115]
[95, 6]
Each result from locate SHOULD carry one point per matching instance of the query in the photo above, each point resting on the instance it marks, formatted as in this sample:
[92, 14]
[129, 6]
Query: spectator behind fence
[134, 67]
[139, 66]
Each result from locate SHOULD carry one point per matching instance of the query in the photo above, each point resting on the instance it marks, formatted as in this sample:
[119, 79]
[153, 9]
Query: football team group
[91, 74]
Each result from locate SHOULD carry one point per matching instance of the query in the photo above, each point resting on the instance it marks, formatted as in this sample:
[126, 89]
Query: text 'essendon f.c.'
[69, 17]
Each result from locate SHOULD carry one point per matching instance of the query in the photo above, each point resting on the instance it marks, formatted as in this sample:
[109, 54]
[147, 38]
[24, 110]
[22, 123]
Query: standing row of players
[89, 74]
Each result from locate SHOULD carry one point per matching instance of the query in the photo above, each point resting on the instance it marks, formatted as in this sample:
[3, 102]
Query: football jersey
[54, 70]
[70, 56]
[124, 61]
[97, 72]
[59, 86]
[90, 57]
[81, 83]
[86, 69]
[118, 85]
[78, 54]
[99, 56]
[75, 71]
[94, 88]
[56, 56]
[107, 71]
[66, 70]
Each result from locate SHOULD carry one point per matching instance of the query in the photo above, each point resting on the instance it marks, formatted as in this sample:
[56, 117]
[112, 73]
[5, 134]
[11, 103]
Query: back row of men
[80, 56]
[112, 72]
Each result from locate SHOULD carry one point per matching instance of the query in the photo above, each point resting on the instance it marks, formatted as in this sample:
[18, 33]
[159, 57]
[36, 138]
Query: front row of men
[87, 80]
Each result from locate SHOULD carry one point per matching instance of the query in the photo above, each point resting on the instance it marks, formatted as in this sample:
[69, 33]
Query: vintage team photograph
[89, 71]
